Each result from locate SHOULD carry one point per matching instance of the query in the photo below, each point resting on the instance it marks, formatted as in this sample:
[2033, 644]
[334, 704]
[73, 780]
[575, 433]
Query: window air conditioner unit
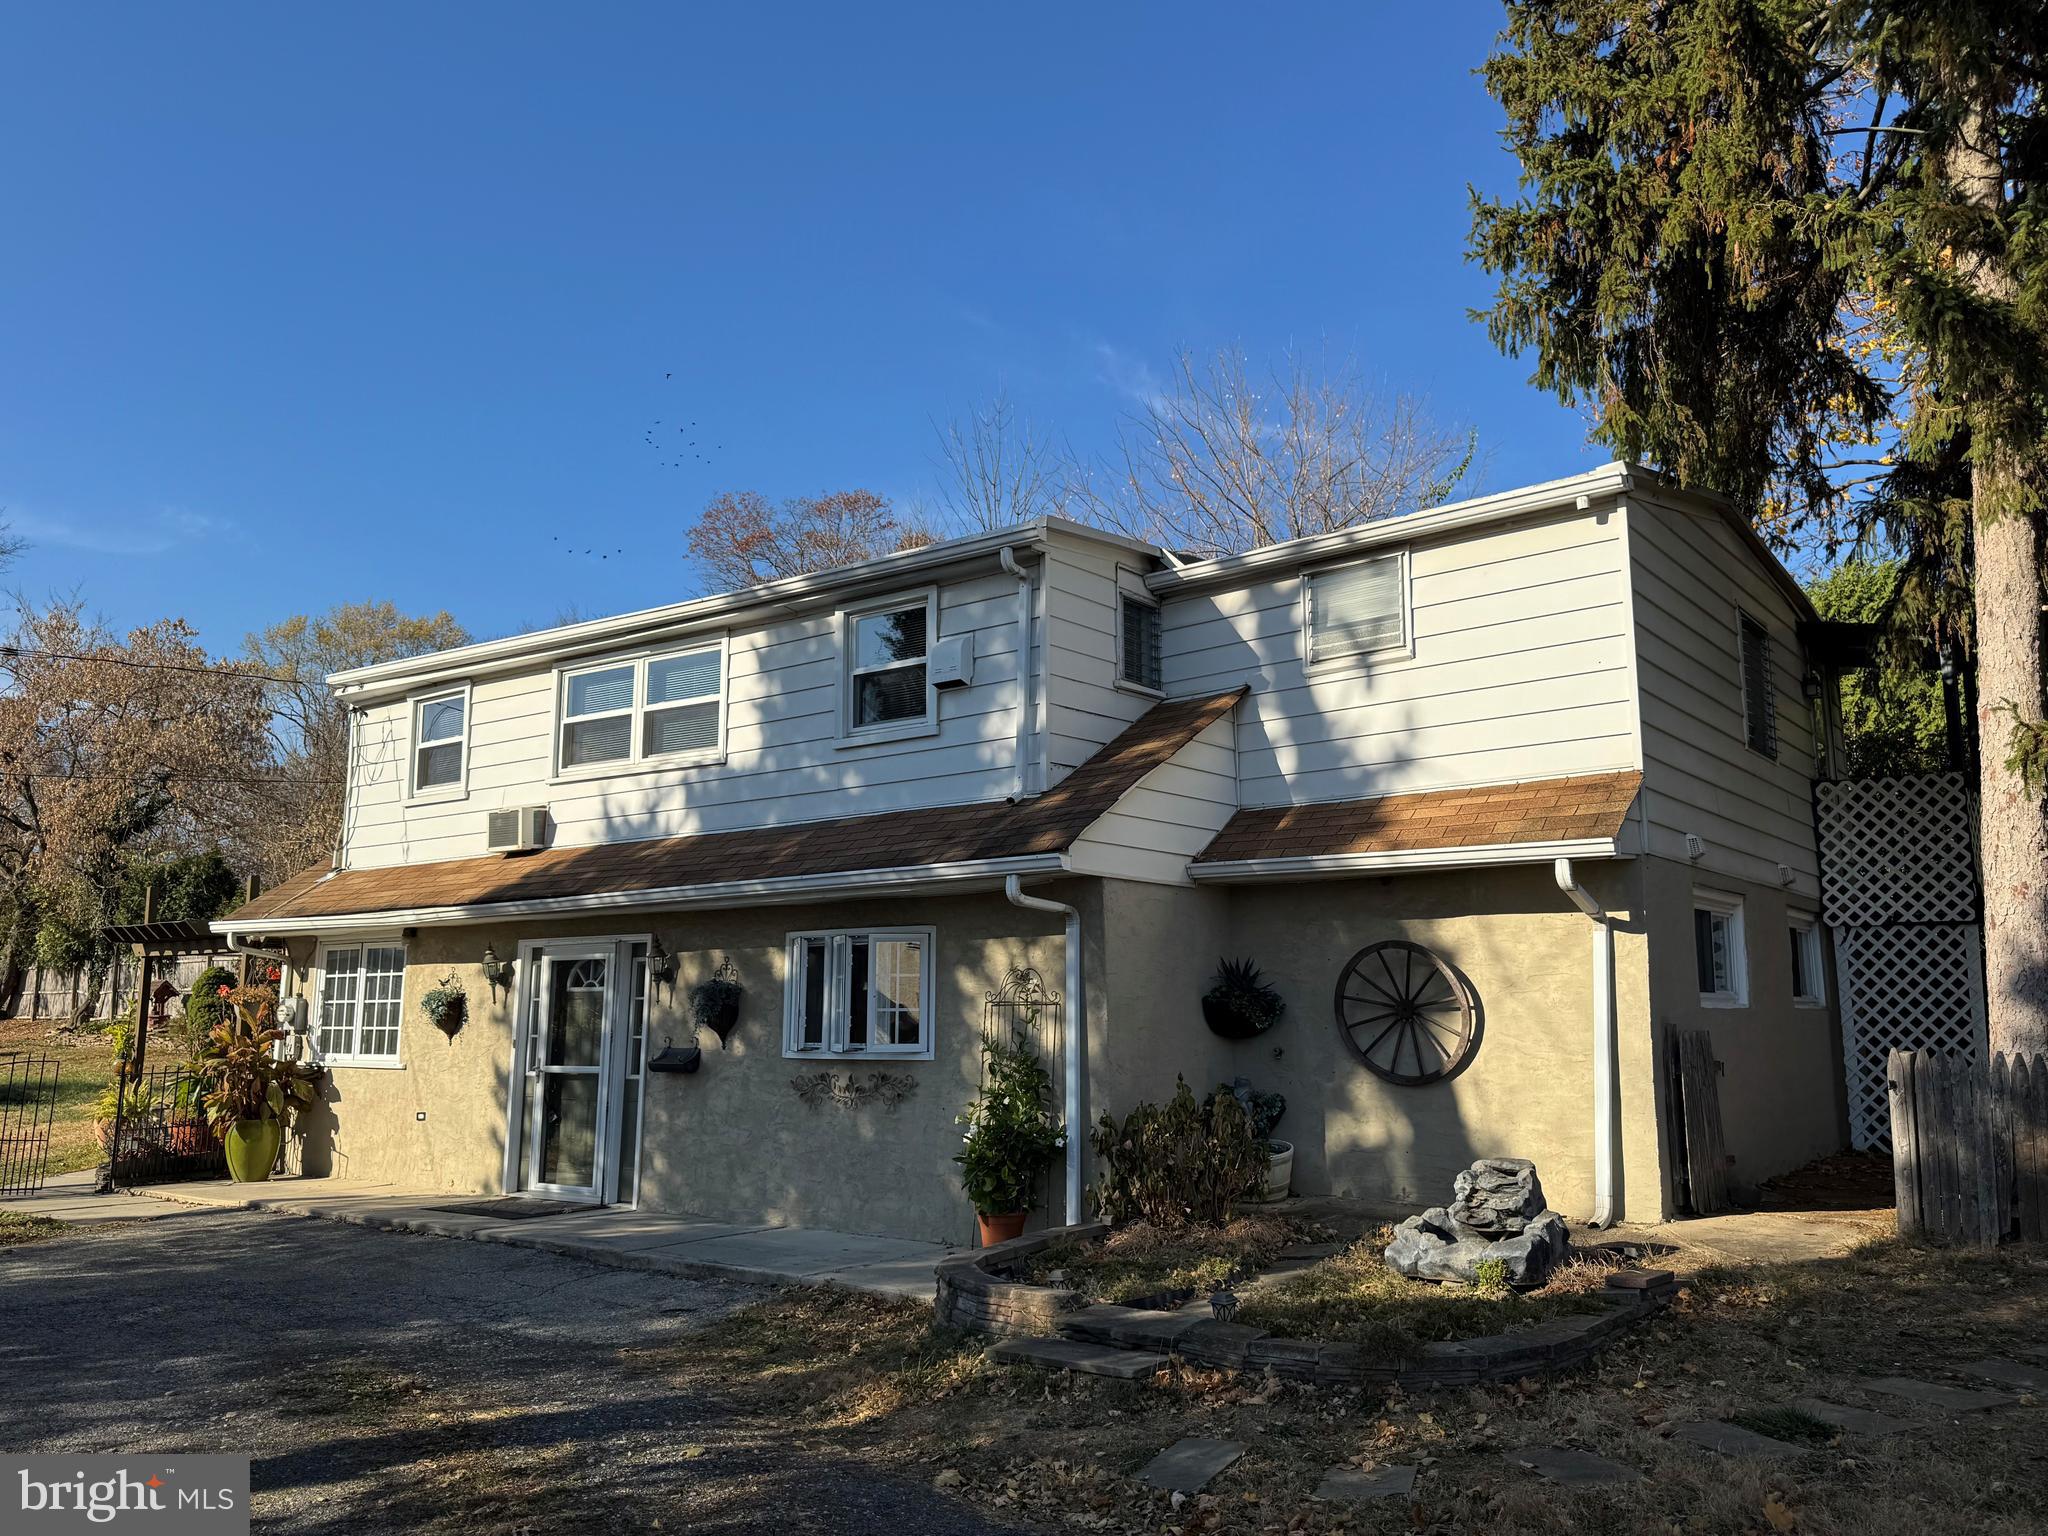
[520, 830]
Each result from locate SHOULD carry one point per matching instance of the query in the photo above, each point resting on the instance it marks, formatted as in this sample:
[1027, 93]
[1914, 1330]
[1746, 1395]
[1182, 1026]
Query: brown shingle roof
[892, 840]
[1540, 811]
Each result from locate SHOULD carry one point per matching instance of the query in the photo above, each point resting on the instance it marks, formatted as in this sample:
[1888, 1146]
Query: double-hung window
[1359, 609]
[440, 742]
[1719, 949]
[361, 992]
[1759, 705]
[1809, 979]
[665, 708]
[1138, 659]
[886, 646]
[861, 993]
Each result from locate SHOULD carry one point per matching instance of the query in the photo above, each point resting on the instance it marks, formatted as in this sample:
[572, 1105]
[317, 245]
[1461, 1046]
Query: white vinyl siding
[1518, 667]
[1168, 816]
[859, 994]
[1693, 577]
[1355, 610]
[1085, 708]
[359, 991]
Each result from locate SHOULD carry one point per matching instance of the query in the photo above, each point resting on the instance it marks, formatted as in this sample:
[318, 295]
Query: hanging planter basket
[1240, 1006]
[715, 1003]
[446, 1006]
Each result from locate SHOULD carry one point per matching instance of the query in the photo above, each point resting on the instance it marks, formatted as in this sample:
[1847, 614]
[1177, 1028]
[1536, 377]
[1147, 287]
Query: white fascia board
[1609, 480]
[594, 636]
[907, 880]
[1394, 861]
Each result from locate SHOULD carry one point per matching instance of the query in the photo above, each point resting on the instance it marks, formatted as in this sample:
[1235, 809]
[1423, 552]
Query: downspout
[1024, 701]
[1071, 1046]
[1606, 1081]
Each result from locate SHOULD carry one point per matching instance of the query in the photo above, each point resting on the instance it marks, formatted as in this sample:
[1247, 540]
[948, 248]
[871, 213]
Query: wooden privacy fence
[1970, 1147]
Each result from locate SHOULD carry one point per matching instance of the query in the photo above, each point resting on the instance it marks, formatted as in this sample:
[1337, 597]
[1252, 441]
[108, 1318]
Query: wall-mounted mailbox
[674, 1058]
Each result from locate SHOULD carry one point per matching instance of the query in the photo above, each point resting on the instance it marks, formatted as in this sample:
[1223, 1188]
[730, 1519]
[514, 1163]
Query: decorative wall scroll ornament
[1405, 1013]
[498, 973]
[661, 966]
[855, 1090]
[715, 1002]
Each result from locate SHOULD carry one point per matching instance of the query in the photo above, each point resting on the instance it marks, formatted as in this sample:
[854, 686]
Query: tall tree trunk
[2013, 820]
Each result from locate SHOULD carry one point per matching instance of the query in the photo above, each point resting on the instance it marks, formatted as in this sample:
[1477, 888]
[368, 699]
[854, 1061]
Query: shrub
[1184, 1162]
[206, 1005]
[1012, 1136]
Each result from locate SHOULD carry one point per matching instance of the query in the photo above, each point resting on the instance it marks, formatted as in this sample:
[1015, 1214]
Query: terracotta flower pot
[1000, 1229]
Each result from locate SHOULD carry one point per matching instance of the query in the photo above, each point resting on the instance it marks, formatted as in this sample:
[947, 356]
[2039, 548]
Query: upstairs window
[665, 708]
[863, 993]
[1138, 659]
[360, 991]
[888, 683]
[1719, 950]
[439, 734]
[1759, 706]
[1357, 610]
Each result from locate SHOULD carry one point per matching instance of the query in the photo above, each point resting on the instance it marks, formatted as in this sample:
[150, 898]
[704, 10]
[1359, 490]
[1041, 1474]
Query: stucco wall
[732, 1141]
[1527, 1091]
[1781, 1081]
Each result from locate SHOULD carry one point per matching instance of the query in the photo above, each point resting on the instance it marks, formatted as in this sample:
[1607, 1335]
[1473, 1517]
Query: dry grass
[85, 1065]
[17, 1229]
[1167, 1265]
[858, 1376]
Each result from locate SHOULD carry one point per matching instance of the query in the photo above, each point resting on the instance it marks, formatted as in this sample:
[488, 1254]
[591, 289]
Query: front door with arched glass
[577, 1069]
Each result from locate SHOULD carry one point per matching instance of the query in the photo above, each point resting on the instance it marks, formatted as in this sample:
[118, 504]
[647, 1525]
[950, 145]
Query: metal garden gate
[1899, 893]
[28, 1108]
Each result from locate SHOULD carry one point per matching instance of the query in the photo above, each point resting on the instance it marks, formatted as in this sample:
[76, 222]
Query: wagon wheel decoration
[1405, 1013]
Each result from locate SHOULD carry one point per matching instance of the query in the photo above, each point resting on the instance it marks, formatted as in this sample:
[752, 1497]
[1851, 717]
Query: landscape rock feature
[1496, 1215]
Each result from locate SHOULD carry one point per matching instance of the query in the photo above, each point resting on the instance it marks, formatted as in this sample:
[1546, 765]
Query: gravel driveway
[386, 1382]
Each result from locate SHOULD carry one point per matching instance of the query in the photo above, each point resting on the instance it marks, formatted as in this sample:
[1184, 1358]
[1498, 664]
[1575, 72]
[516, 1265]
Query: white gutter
[1072, 1046]
[1394, 860]
[237, 945]
[789, 888]
[1024, 700]
[1606, 1079]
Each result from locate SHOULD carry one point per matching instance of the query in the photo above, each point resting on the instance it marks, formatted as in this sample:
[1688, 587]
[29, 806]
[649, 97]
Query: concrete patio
[668, 1244]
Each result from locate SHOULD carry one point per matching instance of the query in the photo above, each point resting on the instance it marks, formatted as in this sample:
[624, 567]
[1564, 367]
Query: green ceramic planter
[252, 1149]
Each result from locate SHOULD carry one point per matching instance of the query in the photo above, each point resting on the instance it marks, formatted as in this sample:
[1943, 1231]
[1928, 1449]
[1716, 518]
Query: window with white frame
[1138, 658]
[662, 708]
[888, 684]
[861, 993]
[440, 726]
[1354, 610]
[1759, 704]
[1809, 979]
[1719, 949]
[362, 989]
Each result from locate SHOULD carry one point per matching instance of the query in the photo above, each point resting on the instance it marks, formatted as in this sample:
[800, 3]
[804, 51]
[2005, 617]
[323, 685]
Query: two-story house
[1493, 793]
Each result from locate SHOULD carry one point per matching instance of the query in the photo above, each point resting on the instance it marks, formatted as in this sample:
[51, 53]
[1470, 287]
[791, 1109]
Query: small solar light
[1224, 1305]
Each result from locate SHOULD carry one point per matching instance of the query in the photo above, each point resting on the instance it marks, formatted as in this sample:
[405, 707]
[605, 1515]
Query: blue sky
[304, 305]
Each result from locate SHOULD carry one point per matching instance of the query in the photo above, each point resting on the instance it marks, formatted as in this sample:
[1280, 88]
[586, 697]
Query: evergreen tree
[1794, 250]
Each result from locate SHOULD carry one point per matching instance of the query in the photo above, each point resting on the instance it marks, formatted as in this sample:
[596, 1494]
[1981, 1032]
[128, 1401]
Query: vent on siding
[1140, 663]
[1759, 708]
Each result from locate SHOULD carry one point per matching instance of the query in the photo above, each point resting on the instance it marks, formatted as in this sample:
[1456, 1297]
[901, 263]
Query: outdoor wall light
[497, 972]
[661, 966]
[1810, 685]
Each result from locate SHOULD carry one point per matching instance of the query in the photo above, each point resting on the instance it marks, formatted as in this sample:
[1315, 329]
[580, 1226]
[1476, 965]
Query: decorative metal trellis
[1899, 893]
[28, 1106]
[1022, 1005]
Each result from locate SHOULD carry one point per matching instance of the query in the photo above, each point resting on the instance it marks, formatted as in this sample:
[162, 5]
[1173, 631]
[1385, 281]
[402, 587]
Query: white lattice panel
[1897, 850]
[1909, 989]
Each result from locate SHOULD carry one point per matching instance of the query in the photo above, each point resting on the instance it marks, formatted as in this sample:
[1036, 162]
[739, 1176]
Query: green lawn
[85, 1065]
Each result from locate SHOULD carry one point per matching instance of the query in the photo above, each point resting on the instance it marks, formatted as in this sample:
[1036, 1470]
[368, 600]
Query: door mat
[512, 1208]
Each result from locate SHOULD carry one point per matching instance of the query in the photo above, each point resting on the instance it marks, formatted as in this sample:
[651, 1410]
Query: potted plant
[186, 1133]
[1238, 1005]
[1264, 1110]
[446, 1005]
[1011, 1139]
[252, 1097]
[715, 1003]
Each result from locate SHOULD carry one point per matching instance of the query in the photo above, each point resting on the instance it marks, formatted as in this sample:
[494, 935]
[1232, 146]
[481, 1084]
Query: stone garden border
[974, 1296]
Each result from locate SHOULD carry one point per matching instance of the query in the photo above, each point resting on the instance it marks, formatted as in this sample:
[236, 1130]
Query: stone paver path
[1732, 1440]
[1187, 1465]
[1348, 1485]
[1934, 1395]
[1855, 1421]
[2028, 1378]
[1077, 1355]
[1562, 1464]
